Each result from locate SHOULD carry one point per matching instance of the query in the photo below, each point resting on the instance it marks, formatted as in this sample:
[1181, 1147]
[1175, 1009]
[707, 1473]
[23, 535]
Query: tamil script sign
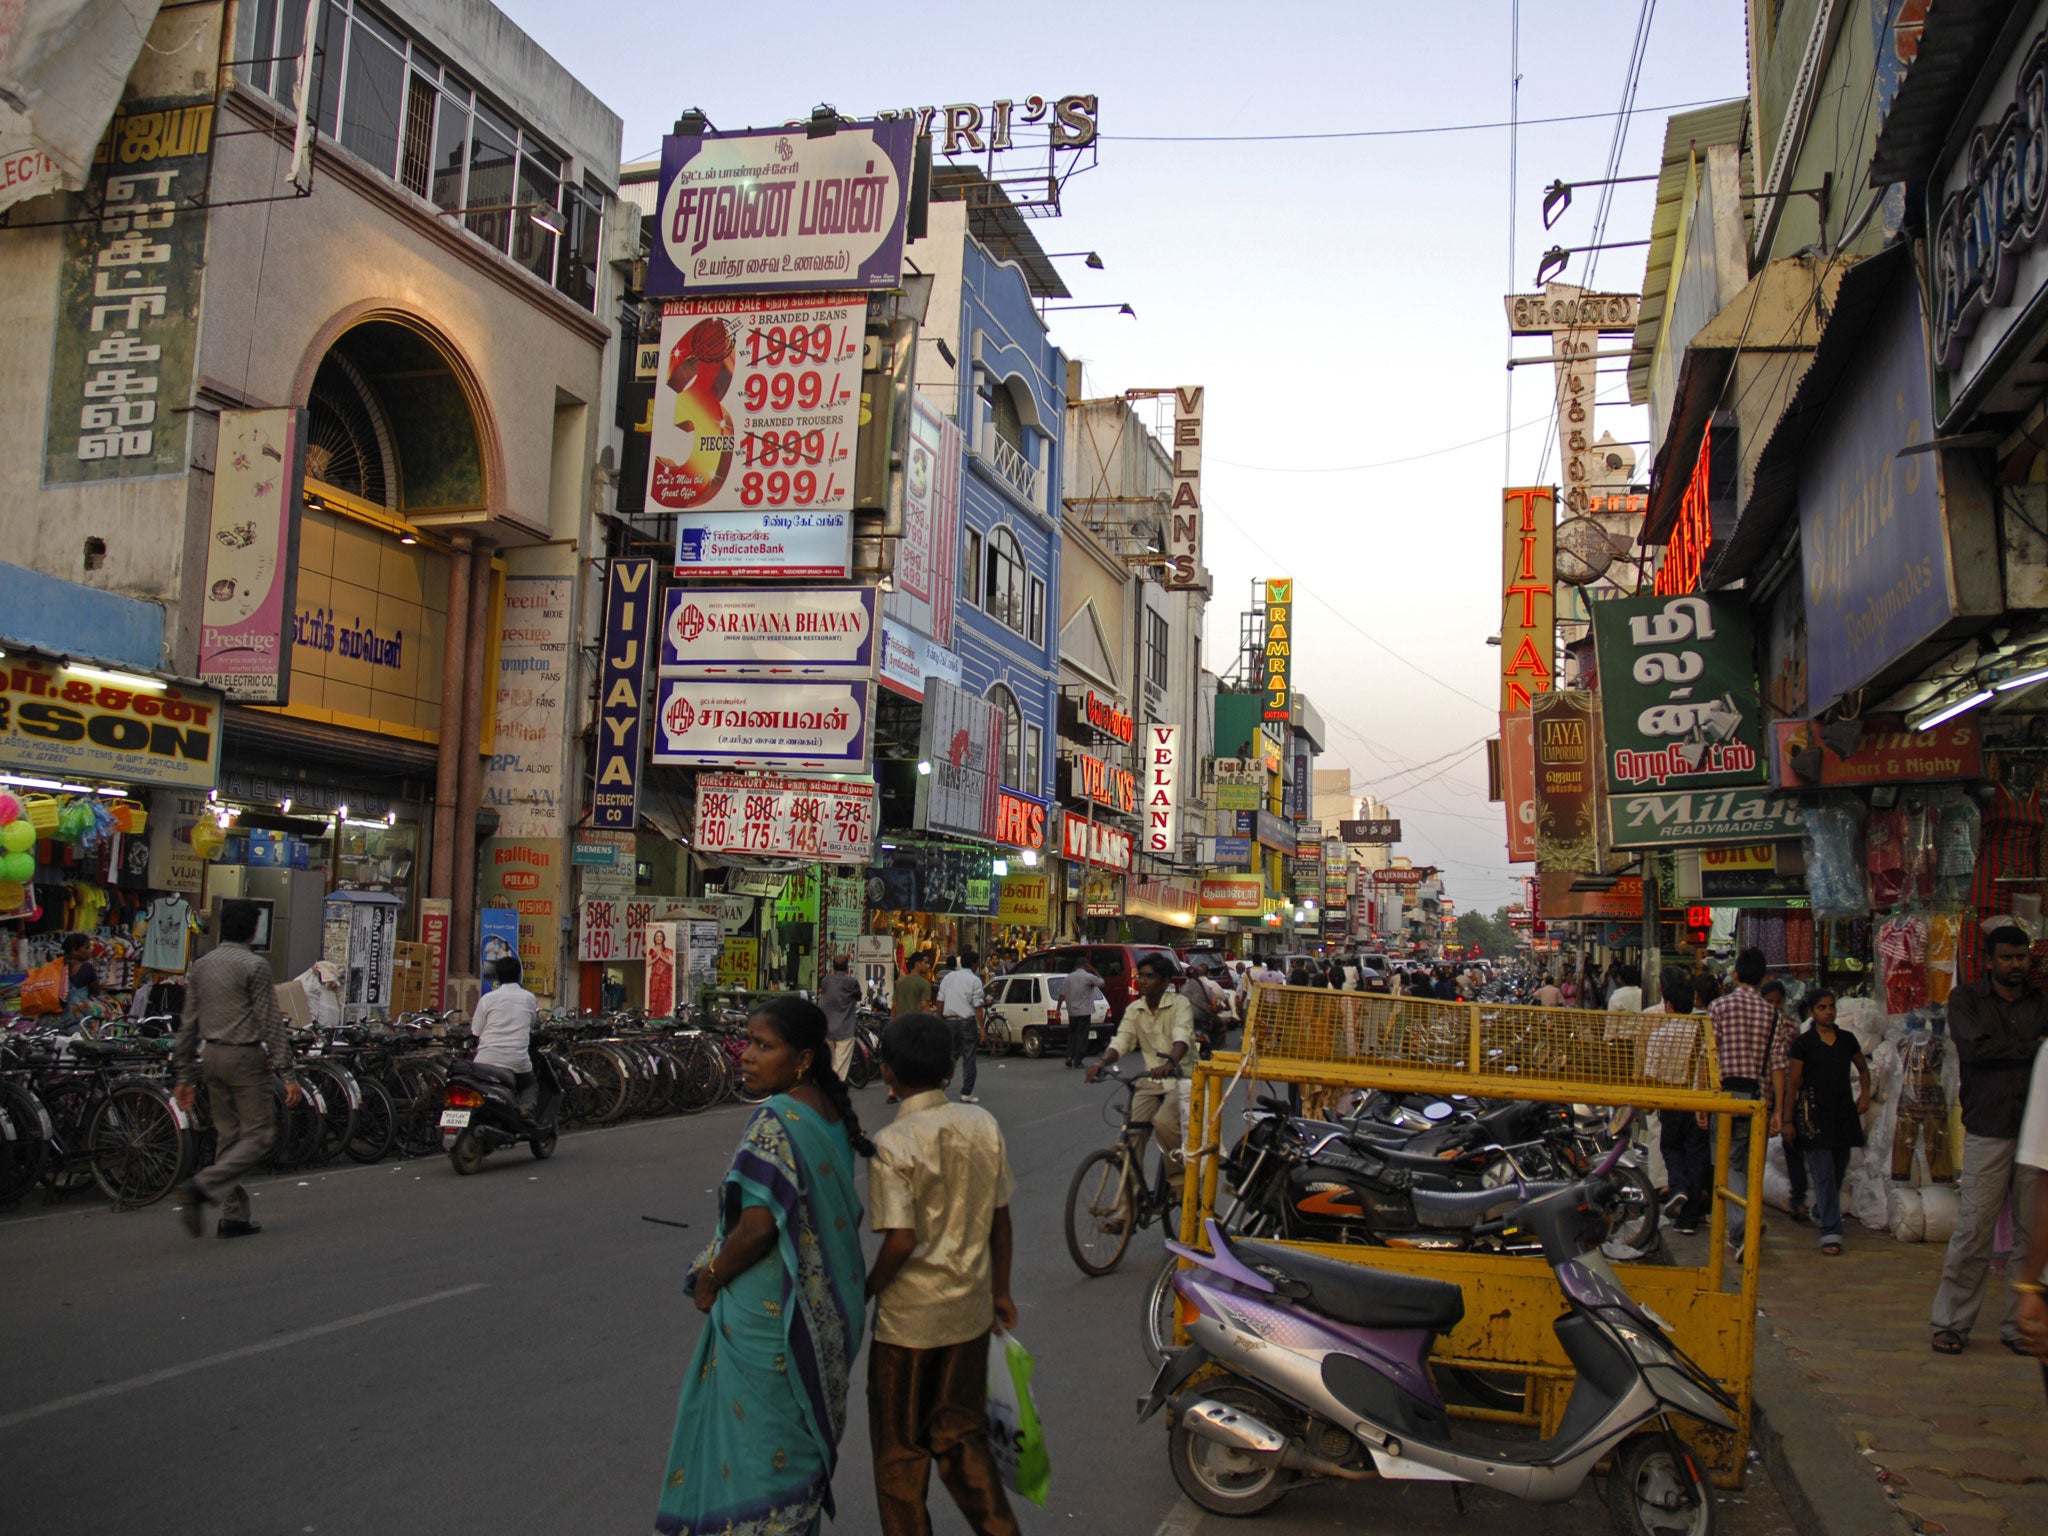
[56, 722]
[1678, 696]
[1369, 831]
[768, 632]
[768, 210]
[1694, 818]
[751, 723]
[908, 658]
[766, 546]
[831, 821]
[1230, 896]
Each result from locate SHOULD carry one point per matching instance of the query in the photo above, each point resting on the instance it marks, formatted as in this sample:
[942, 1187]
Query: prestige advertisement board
[252, 555]
[757, 405]
[763, 210]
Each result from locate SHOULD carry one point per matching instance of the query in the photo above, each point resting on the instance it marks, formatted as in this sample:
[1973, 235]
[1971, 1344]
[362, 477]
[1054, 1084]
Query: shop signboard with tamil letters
[776, 210]
[762, 723]
[56, 722]
[768, 632]
[1678, 694]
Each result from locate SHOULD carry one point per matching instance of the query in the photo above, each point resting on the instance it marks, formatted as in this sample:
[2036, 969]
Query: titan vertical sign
[1279, 647]
[1162, 790]
[1528, 617]
[1184, 515]
[622, 682]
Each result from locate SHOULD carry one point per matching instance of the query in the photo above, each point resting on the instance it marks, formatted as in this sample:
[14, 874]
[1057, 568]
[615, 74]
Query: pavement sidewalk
[1959, 1443]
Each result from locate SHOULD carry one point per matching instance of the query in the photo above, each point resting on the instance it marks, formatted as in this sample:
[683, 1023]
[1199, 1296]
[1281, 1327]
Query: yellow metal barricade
[1329, 1041]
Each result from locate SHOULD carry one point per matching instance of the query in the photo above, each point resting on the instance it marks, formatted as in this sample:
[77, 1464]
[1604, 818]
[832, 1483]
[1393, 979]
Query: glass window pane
[255, 33]
[451, 145]
[327, 63]
[1035, 630]
[1034, 759]
[415, 157]
[970, 571]
[374, 100]
[491, 158]
[540, 196]
[576, 271]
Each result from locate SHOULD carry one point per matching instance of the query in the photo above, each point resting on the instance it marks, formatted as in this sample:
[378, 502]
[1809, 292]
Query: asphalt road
[405, 1350]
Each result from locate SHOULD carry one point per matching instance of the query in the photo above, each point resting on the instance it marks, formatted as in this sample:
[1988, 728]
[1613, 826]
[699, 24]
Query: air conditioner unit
[622, 246]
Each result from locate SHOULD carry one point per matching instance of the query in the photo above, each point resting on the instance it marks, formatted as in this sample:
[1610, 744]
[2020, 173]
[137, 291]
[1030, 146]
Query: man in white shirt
[503, 1026]
[962, 1001]
[1158, 1024]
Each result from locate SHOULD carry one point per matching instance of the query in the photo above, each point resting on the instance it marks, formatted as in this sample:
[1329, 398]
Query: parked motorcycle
[481, 1112]
[1327, 1377]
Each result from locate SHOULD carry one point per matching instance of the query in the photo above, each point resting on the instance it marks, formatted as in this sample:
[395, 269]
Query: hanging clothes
[1902, 957]
[169, 932]
[2008, 856]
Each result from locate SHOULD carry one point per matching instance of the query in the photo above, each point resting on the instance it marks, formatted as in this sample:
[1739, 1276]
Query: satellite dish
[1584, 551]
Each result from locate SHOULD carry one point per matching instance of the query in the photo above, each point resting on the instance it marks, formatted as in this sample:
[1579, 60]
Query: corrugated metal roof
[1957, 40]
[1724, 123]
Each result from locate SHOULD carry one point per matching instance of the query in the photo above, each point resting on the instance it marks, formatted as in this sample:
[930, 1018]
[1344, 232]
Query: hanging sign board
[1678, 696]
[1695, 818]
[829, 820]
[622, 694]
[768, 632]
[252, 554]
[1528, 620]
[751, 723]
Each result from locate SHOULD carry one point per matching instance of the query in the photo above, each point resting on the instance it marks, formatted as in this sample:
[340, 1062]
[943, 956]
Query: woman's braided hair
[801, 1023]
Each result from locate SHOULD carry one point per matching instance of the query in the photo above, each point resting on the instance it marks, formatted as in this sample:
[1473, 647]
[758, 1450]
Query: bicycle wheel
[338, 1099]
[30, 1147]
[1161, 1301]
[702, 1070]
[419, 1107]
[375, 1130]
[70, 1103]
[605, 1084]
[135, 1145]
[1101, 1211]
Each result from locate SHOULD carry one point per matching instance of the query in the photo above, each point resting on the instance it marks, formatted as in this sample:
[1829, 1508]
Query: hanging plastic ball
[10, 809]
[207, 837]
[18, 868]
[17, 837]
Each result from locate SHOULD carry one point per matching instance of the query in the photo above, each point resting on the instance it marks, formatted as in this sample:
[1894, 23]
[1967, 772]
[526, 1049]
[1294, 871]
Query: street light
[1093, 262]
[1122, 309]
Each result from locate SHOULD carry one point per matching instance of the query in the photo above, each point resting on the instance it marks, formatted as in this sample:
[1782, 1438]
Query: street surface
[405, 1350]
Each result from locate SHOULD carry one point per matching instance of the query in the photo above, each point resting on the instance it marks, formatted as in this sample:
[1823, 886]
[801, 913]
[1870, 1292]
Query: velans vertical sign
[1279, 668]
[621, 697]
[1162, 790]
[1184, 513]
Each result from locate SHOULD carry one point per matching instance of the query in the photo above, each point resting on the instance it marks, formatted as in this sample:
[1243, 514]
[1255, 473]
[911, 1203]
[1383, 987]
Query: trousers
[1922, 1124]
[842, 1057]
[240, 1097]
[1688, 1160]
[1738, 1167]
[1078, 1032]
[1989, 1175]
[966, 1040]
[1157, 1104]
[1828, 1166]
[926, 1407]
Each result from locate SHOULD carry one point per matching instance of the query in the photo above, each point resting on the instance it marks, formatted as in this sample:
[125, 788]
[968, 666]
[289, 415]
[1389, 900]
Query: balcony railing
[1021, 473]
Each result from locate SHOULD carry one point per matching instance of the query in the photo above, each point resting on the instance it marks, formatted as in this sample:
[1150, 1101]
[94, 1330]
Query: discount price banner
[757, 404]
[829, 820]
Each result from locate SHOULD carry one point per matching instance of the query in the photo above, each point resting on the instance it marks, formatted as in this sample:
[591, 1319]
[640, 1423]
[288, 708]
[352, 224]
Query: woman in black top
[1821, 1063]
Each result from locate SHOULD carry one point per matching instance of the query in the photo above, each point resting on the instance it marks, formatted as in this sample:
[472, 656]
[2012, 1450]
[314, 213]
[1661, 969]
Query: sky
[1339, 298]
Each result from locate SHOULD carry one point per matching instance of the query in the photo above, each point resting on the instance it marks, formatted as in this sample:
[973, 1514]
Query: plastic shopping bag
[43, 990]
[1014, 1434]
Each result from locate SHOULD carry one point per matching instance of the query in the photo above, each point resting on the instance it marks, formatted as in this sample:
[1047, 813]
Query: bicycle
[1108, 1198]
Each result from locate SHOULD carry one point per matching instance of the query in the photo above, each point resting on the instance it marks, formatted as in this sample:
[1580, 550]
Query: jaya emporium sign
[1678, 697]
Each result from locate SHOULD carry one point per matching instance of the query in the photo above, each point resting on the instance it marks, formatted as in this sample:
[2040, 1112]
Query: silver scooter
[1328, 1378]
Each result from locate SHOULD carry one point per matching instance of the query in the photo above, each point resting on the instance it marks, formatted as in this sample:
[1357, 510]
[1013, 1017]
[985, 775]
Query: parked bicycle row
[79, 1113]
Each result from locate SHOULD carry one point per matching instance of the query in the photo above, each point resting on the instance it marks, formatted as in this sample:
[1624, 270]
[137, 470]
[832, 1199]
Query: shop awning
[1774, 488]
[1957, 40]
[1776, 313]
[1685, 135]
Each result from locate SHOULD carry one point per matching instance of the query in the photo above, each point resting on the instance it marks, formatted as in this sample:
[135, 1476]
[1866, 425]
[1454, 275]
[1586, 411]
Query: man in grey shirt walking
[1077, 992]
[839, 996]
[231, 1005]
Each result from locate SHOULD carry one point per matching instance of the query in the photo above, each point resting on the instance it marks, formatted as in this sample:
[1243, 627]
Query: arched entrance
[391, 422]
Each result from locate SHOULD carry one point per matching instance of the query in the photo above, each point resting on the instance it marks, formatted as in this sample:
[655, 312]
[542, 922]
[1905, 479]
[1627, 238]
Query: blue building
[986, 362]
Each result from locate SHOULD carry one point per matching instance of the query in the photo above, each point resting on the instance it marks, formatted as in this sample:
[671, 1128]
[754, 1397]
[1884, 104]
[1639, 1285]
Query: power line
[1395, 133]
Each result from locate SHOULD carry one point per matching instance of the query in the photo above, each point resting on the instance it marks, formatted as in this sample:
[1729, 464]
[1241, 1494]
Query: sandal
[2016, 1347]
[1947, 1342]
[1831, 1248]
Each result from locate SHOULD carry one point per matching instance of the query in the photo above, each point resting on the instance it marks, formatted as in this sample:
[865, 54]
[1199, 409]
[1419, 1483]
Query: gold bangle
[2029, 1287]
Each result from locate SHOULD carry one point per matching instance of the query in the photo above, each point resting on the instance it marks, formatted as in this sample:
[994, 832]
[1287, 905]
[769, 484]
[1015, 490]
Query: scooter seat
[1460, 1207]
[1358, 1293]
[484, 1072]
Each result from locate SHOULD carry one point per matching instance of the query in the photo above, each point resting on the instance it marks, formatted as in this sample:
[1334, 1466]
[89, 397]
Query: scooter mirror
[1437, 1111]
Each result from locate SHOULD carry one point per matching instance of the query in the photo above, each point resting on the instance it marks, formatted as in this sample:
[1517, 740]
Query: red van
[1116, 964]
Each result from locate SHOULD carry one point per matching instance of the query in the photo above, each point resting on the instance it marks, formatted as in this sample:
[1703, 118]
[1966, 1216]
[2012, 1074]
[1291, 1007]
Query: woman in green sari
[764, 1403]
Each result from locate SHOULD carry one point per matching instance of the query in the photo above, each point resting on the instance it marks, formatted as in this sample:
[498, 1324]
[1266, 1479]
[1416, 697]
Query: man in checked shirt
[1754, 1046]
[230, 1004]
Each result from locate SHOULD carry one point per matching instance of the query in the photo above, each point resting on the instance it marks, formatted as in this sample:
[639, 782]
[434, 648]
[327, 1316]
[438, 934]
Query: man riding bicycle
[1161, 1024]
